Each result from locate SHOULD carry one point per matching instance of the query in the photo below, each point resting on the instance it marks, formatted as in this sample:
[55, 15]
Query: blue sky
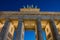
[44, 5]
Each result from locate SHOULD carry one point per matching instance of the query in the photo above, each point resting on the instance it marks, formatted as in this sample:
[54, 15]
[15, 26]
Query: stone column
[54, 30]
[39, 30]
[19, 30]
[4, 32]
[22, 32]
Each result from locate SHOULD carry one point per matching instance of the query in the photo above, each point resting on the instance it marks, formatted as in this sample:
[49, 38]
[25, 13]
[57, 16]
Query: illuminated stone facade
[29, 19]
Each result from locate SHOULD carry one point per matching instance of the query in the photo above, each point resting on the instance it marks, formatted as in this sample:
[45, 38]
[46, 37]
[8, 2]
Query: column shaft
[39, 30]
[54, 30]
[19, 30]
[4, 32]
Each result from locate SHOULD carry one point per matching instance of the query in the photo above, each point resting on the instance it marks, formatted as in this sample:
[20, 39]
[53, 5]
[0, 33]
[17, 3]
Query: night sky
[15, 5]
[44, 5]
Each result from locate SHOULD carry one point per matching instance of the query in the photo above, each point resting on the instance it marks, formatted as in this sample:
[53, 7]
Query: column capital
[20, 20]
[38, 19]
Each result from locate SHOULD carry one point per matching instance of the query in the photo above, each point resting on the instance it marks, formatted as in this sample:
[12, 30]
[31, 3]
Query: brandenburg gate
[29, 19]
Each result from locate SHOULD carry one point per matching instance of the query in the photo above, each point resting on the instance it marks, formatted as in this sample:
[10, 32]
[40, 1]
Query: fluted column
[39, 30]
[4, 32]
[19, 30]
[54, 30]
